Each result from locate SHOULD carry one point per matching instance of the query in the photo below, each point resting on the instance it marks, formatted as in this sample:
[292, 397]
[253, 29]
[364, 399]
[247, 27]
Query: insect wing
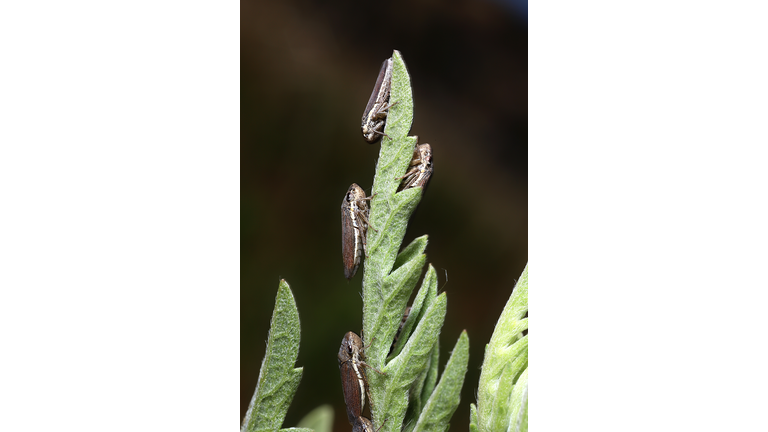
[375, 114]
[350, 236]
[380, 89]
[353, 379]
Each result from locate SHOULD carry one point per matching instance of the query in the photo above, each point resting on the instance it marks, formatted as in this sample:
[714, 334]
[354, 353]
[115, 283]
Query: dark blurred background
[308, 69]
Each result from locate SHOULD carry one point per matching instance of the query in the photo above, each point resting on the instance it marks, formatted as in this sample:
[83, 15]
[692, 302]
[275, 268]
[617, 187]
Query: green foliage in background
[319, 419]
[502, 397]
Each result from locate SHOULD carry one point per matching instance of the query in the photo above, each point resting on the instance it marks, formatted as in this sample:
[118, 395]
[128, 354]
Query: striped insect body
[354, 383]
[353, 380]
[354, 228]
[375, 114]
[419, 170]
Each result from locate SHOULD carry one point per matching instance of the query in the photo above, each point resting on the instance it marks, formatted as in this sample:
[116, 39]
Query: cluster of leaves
[502, 397]
[407, 395]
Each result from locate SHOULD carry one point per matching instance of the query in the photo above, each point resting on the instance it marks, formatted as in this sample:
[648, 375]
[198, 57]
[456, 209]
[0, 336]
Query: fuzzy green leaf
[430, 281]
[500, 393]
[399, 285]
[422, 388]
[428, 289]
[473, 418]
[431, 379]
[419, 387]
[391, 221]
[390, 392]
[445, 399]
[499, 400]
[417, 247]
[519, 405]
[278, 379]
[389, 278]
